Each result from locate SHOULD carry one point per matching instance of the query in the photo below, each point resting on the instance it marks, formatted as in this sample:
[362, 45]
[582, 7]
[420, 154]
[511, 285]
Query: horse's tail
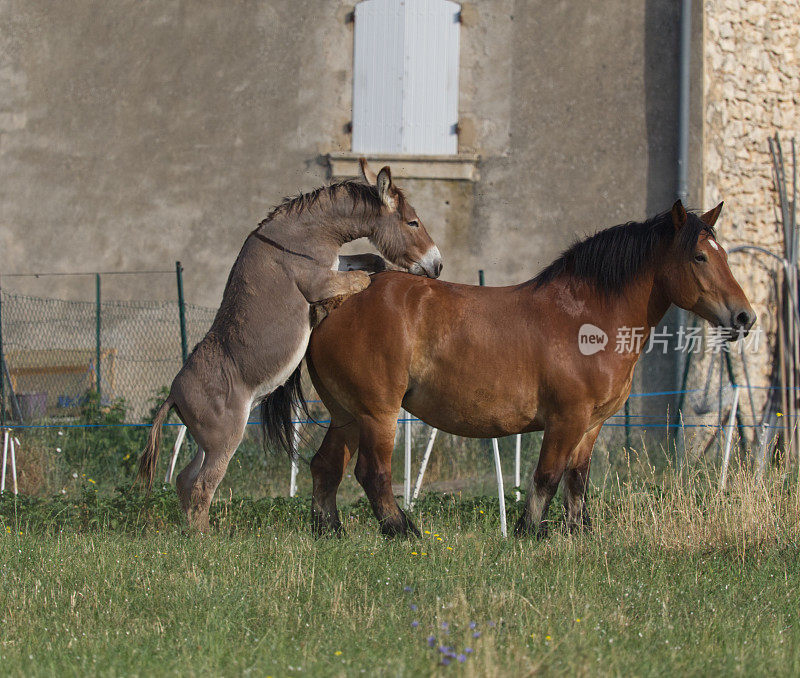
[277, 410]
[149, 459]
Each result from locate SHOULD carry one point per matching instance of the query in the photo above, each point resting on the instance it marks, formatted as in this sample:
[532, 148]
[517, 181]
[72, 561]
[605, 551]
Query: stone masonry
[752, 90]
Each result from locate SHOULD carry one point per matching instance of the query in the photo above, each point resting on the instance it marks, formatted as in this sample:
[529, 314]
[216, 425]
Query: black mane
[611, 259]
[357, 192]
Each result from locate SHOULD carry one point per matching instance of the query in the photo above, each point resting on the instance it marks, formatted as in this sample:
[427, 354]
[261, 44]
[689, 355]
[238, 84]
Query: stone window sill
[461, 167]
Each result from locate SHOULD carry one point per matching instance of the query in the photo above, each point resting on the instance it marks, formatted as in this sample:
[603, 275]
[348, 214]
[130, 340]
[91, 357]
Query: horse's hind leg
[575, 480]
[186, 478]
[218, 438]
[374, 473]
[327, 470]
[560, 438]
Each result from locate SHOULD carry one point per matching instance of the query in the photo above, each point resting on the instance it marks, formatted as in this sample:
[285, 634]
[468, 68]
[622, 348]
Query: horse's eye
[413, 223]
[700, 256]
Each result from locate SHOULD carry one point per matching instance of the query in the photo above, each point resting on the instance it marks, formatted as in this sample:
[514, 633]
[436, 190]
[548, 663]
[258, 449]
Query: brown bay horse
[260, 333]
[487, 362]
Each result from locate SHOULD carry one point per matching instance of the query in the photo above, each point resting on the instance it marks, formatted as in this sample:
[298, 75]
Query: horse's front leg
[325, 290]
[561, 436]
[319, 284]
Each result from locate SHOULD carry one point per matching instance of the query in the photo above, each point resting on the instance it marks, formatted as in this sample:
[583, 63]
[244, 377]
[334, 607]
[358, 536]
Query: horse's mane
[613, 258]
[357, 192]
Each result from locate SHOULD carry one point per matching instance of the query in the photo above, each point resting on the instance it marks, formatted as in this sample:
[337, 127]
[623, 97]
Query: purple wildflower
[477, 634]
[445, 625]
[467, 650]
[445, 661]
[431, 641]
[413, 607]
[407, 589]
[461, 658]
[473, 624]
[414, 624]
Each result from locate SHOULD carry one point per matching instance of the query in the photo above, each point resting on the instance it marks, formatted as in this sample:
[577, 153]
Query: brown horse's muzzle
[737, 320]
[735, 316]
[742, 319]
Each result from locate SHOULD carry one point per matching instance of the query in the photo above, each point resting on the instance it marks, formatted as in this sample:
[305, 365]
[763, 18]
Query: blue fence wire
[644, 420]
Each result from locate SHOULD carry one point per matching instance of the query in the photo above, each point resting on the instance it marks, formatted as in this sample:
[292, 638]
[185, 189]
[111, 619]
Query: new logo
[591, 339]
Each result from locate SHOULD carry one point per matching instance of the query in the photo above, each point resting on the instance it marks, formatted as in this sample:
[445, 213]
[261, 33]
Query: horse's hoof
[399, 527]
[327, 530]
[525, 529]
[411, 529]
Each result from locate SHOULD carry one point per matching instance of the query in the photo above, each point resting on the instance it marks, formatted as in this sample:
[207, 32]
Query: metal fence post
[181, 311]
[481, 280]
[2, 366]
[628, 425]
[5, 376]
[98, 327]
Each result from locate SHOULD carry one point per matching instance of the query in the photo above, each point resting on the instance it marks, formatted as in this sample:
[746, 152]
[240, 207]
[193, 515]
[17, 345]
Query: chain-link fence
[80, 378]
[56, 352]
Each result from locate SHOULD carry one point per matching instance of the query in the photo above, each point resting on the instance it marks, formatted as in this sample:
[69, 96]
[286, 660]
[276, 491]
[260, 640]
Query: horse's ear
[710, 217]
[366, 172]
[678, 215]
[385, 187]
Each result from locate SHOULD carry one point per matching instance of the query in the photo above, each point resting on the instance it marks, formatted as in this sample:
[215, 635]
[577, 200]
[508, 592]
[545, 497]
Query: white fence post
[293, 474]
[761, 459]
[14, 447]
[423, 466]
[176, 448]
[5, 458]
[407, 476]
[500, 489]
[517, 456]
[729, 438]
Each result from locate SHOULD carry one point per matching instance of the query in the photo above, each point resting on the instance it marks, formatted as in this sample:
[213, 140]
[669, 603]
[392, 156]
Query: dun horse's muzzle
[430, 264]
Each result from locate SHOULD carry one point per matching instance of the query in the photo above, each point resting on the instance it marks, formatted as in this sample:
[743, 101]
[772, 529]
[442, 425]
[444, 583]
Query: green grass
[675, 579]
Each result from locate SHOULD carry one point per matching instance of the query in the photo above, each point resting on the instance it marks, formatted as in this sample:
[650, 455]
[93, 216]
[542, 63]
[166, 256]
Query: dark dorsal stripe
[280, 247]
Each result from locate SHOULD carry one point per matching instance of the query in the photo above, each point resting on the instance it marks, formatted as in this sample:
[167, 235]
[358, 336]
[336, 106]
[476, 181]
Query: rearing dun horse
[487, 362]
[260, 333]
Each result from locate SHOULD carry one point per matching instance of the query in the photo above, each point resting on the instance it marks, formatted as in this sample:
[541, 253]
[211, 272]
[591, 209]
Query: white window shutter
[405, 77]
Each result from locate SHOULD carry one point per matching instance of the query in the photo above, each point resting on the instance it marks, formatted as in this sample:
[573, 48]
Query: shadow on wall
[658, 372]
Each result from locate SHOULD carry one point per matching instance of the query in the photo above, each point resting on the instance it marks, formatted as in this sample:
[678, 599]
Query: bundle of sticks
[786, 374]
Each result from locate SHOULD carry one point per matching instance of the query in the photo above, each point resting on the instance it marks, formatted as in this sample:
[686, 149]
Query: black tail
[277, 411]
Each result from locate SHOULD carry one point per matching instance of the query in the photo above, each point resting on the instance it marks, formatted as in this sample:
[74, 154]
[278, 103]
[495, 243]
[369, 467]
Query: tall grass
[675, 577]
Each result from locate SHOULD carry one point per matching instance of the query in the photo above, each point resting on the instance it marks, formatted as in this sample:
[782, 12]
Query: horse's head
[696, 275]
[398, 232]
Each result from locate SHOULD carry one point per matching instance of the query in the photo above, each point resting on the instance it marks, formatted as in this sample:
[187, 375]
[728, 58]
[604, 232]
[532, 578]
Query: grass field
[676, 578]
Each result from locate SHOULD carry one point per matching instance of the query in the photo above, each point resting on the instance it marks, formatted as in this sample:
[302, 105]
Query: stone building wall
[752, 90]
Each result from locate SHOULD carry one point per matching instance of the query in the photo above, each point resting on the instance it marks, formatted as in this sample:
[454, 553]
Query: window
[405, 77]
